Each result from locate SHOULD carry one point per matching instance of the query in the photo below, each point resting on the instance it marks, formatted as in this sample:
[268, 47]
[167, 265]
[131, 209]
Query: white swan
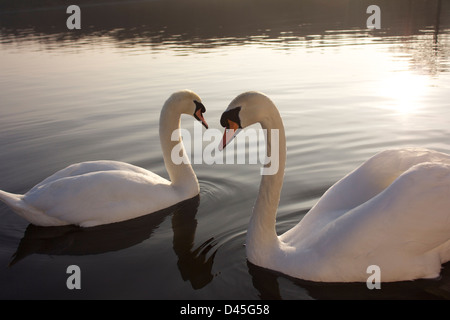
[393, 212]
[101, 192]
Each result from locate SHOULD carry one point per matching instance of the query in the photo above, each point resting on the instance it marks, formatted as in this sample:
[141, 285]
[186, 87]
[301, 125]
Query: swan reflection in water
[195, 265]
[267, 284]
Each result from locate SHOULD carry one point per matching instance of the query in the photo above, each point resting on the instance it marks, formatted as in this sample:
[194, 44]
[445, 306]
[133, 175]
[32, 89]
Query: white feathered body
[392, 212]
[100, 192]
[94, 193]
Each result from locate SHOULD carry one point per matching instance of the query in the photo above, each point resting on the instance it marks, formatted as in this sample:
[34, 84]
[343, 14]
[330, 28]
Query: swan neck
[181, 174]
[262, 231]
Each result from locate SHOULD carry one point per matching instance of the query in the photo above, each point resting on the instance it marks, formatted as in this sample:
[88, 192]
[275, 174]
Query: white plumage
[100, 192]
[393, 211]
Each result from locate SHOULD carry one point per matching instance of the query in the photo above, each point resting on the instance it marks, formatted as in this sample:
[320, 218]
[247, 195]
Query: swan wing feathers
[367, 181]
[77, 169]
[80, 195]
[405, 230]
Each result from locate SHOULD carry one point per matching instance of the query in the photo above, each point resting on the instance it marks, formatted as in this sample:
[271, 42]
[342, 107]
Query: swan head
[246, 109]
[189, 103]
[198, 113]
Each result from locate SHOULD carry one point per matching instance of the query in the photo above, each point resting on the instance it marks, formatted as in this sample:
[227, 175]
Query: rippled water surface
[344, 91]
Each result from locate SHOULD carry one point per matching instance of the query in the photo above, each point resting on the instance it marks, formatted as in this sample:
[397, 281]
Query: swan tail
[12, 200]
[16, 203]
[28, 212]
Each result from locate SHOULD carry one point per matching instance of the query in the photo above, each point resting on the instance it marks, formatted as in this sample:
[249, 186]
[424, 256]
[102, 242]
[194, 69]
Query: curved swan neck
[181, 175]
[262, 230]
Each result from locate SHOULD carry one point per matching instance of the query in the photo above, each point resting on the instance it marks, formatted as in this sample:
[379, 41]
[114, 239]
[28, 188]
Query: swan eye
[231, 116]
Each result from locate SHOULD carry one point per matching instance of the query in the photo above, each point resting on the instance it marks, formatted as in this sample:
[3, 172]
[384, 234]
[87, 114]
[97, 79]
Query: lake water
[344, 91]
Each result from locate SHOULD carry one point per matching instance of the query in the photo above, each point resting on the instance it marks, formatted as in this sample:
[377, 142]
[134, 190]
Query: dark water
[344, 92]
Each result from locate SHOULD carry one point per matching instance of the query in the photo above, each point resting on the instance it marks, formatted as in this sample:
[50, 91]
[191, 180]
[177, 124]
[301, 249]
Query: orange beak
[229, 134]
[199, 115]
